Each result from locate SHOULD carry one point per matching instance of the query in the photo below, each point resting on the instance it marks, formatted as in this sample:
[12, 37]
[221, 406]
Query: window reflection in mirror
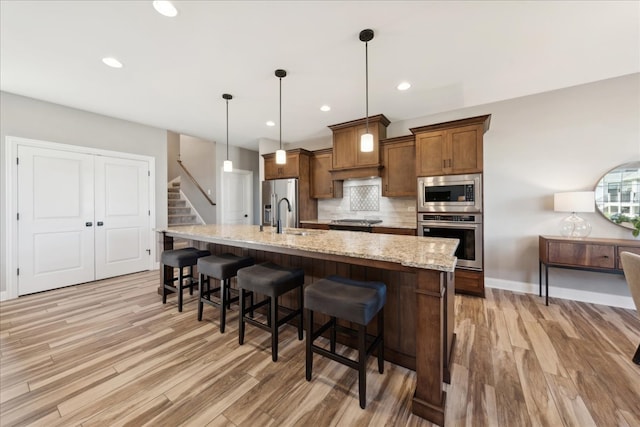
[618, 195]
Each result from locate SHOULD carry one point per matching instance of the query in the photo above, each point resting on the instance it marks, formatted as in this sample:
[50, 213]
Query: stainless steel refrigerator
[273, 191]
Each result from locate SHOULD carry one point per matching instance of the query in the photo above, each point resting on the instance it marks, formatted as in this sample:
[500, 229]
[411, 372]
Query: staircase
[179, 212]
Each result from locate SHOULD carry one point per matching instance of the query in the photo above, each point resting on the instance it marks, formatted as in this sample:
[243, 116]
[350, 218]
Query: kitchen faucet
[278, 223]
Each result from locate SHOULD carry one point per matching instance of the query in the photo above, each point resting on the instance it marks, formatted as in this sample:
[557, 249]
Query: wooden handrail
[195, 182]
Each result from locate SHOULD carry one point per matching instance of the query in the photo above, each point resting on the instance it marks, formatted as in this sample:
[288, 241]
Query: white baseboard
[563, 293]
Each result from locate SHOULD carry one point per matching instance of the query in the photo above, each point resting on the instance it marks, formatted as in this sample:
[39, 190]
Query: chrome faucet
[278, 223]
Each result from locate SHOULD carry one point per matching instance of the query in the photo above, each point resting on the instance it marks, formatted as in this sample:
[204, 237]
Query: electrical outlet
[208, 191]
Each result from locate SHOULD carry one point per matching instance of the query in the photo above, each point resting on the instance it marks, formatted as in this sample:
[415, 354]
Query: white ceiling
[455, 54]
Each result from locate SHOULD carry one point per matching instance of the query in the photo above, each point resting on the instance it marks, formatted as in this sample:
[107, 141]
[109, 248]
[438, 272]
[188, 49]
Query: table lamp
[574, 201]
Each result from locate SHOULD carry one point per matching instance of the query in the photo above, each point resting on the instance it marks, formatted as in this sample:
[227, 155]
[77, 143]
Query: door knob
[246, 216]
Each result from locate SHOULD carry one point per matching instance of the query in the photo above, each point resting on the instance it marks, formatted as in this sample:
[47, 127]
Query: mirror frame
[619, 218]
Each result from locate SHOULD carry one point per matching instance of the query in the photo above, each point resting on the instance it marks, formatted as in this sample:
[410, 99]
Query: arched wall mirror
[618, 195]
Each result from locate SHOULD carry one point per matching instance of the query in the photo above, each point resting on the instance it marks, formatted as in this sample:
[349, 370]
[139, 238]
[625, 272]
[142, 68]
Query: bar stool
[180, 258]
[356, 302]
[272, 281]
[222, 267]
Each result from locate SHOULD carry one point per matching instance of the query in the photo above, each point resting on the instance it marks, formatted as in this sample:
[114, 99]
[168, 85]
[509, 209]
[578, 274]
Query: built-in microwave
[450, 193]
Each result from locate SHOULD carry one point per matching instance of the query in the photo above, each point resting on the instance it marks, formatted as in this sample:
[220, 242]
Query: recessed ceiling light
[165, 8]
[325, 108]
[404, 86]
[112, 62]
[271, 123]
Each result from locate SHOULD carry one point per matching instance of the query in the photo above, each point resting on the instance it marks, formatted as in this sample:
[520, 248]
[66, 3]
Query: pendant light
[366, 140]
[227, 165]
[281, 155]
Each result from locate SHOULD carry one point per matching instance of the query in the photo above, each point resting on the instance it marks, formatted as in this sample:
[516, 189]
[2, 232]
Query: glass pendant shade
[227, 166]
[281, 157]
[366, 143]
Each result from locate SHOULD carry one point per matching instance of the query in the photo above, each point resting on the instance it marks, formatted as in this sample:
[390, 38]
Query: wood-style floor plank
[109, 353]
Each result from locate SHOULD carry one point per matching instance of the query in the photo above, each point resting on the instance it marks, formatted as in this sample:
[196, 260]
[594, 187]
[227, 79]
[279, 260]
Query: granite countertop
[389, 224]
[411, 251]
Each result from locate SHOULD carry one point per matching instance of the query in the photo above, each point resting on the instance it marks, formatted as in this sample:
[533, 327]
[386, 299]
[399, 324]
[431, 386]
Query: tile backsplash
[363, 200]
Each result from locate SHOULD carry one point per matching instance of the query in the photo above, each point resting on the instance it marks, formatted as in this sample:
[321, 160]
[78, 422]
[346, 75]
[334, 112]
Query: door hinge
[148, 173]
[18, 217]
[17, 160]
[149, 213]
[18, 272]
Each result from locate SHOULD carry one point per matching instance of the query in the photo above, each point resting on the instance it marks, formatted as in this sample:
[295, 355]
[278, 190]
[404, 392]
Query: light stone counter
[410, 251]
[389, 224]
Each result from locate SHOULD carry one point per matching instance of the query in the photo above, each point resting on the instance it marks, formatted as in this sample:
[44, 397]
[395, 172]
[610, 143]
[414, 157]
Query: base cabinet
[470, 282]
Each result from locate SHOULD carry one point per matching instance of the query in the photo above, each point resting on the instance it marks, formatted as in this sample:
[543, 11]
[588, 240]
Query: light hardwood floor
[109, 353]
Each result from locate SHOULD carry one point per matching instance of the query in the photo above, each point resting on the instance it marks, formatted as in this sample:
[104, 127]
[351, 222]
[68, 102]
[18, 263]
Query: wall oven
[450, 193]
[465, 227]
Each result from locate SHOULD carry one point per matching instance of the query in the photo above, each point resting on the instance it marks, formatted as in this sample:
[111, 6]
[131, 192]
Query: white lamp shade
[227, 166]
[574, 201]
[366, 143]
[281, 157]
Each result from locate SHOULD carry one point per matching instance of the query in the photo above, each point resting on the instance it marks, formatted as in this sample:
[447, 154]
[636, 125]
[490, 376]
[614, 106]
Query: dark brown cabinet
[592, 254]
[348, 161]
[291, 169]
[450, 148]
[399, 172]
[322, 184]
[395, 230]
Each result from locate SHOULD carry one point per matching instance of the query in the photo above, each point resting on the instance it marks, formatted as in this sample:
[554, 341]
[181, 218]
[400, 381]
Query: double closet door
[81, 217]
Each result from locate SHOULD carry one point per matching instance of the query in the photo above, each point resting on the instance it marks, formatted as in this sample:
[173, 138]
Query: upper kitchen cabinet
[399, 172]
[348, 160]
[322, 184]
[297, 165]
[450, 148]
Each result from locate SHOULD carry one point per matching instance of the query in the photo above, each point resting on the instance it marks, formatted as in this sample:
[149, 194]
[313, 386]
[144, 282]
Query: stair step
[172, 195]
[182, 219]
[179, 210]
[177, 203]
[173, 189]
[175, 184]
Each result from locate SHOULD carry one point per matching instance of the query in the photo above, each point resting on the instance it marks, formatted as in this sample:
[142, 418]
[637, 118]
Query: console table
[590, 254]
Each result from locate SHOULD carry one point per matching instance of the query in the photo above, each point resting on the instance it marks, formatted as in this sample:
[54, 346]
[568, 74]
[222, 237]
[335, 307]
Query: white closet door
[55, 226]
[122, 216]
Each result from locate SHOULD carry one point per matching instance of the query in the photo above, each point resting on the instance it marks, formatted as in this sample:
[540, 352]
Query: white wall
[30, 118]
[537, 145]
[198, 156]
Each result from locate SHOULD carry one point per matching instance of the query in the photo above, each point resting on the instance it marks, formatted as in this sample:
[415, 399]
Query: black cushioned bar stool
[222, 267]
[356, 302]
[180, 258]
[272, 281]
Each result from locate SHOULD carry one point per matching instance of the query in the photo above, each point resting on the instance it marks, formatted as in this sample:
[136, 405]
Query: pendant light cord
[280, 119]
[366, 79]
[227, 129]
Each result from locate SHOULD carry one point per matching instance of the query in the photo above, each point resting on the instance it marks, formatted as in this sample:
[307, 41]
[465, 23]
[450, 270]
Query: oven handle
[473, 225]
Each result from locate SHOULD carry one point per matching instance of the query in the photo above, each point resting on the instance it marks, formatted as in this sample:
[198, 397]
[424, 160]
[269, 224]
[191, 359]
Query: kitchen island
[418, 272]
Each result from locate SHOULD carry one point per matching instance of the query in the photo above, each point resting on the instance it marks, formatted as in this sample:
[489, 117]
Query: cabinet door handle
[444, 163]
[100, 223]
[88, 224]
[330, 189]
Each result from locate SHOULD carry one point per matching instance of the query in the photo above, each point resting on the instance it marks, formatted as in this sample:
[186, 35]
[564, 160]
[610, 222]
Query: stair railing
[206, 196]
